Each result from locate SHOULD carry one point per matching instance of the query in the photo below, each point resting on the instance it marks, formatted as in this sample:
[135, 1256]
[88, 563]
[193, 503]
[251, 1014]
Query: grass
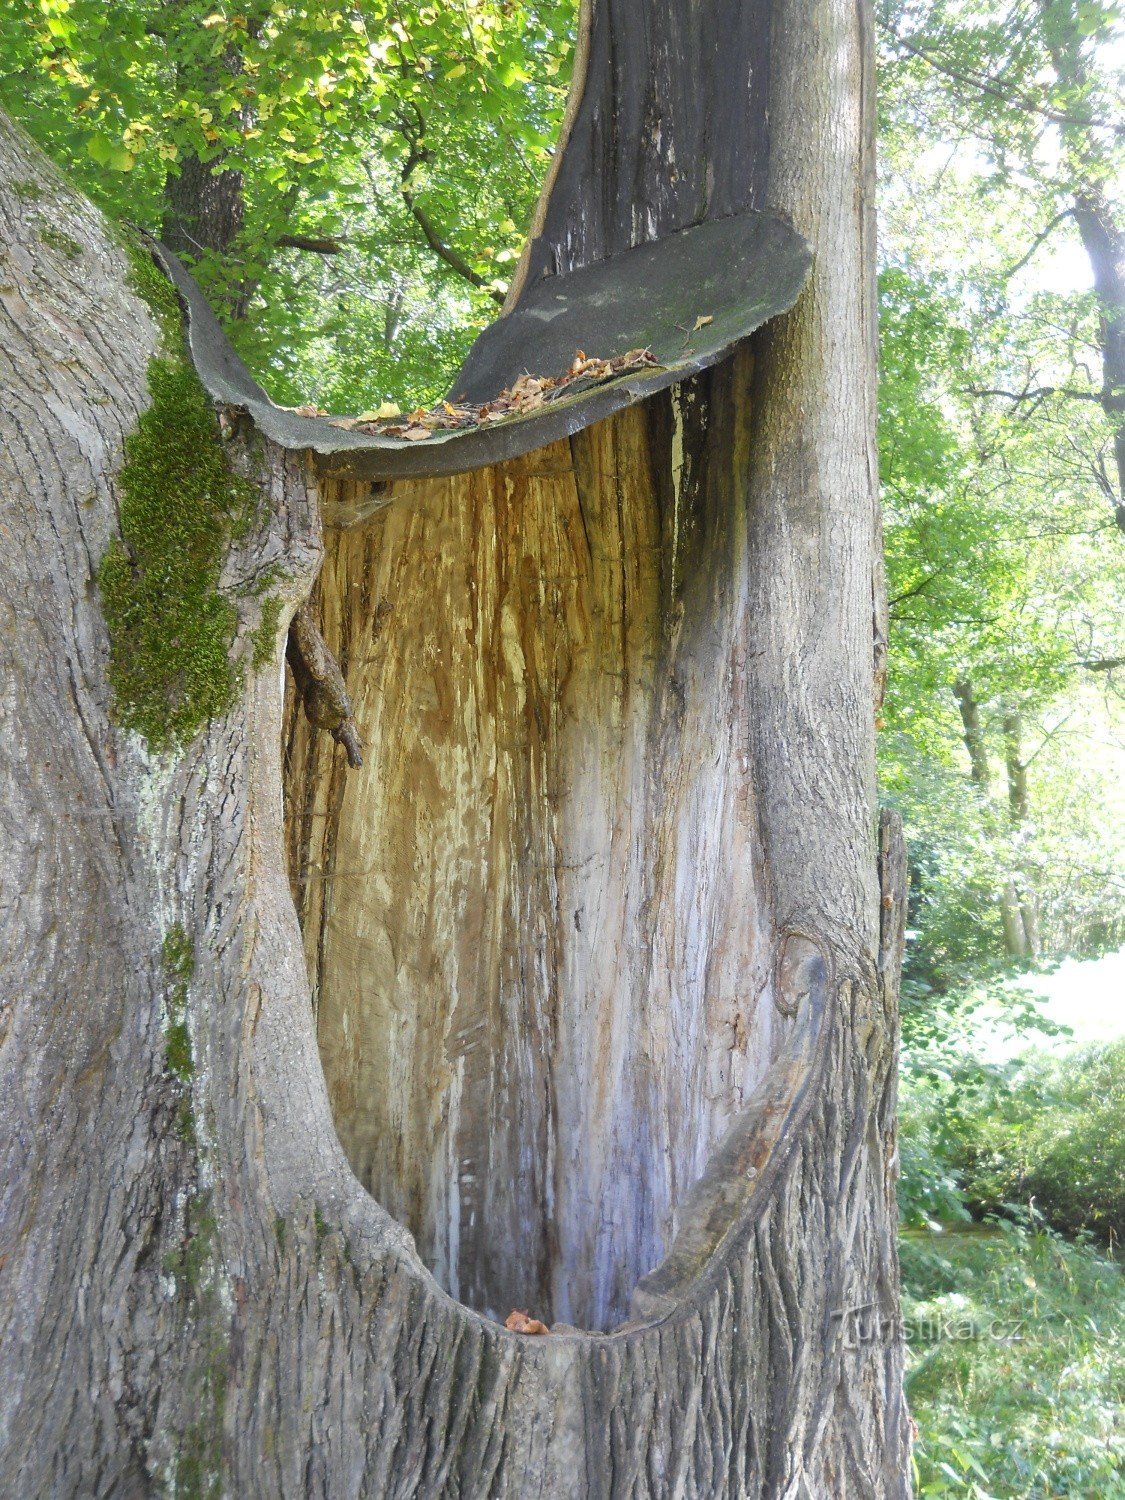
[1016, 1369]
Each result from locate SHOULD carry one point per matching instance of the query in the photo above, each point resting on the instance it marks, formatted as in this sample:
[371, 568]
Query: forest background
[352, 184]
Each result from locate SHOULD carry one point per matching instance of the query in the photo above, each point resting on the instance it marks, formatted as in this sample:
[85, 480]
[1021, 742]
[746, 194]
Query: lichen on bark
[181, 503]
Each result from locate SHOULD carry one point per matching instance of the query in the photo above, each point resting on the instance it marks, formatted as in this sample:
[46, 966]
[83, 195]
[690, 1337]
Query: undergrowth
[1016, 1365]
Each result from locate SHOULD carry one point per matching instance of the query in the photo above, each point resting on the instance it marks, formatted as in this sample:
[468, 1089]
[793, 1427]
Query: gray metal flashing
[689, 298]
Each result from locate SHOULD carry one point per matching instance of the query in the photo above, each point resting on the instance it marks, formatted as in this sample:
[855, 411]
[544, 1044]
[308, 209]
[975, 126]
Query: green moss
[145, 278]
[178, 957]
[28, 191]
[321, 1226]
[189, 1263]
[279, 1230]
[177, 953]
[265, 636]
[171, 629]
[185, 1123]
[197, 1462]
[55, 239]
[177, 1050]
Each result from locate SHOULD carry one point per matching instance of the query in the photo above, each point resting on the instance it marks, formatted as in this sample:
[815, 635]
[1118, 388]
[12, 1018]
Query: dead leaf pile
[519, 1322]
[527, 394]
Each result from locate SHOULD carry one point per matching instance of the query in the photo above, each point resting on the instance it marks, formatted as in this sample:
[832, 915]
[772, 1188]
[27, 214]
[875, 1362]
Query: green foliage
[171, 629]
[954, 933]
[1002, 573]
[343, 123]
[1054, 1139]
[947, 1091]
[998, 472]
[1016, 1366]
[1040, 1136]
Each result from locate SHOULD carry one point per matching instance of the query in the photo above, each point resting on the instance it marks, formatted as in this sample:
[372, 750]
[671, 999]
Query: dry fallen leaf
[702, 321]
[308, 411]
[519, 1322]
[527, 394]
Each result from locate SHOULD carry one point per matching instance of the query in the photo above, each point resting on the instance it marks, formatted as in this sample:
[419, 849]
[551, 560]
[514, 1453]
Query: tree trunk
[605, 977]
[1025, 906]
[972, 732]
[1017, 907]
[1099, 227]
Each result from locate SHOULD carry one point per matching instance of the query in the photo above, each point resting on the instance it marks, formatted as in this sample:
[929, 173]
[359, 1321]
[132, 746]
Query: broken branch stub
[320, 684]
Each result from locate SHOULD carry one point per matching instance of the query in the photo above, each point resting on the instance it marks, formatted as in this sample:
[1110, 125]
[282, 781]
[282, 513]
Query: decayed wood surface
[224, 1309]
[535, 924]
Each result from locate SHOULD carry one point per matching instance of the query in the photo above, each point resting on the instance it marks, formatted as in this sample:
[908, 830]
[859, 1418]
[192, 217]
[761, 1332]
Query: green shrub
[1055, 1141]
[1016, 1365]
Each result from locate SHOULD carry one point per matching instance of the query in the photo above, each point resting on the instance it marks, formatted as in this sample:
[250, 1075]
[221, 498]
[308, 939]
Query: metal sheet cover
[689, 298]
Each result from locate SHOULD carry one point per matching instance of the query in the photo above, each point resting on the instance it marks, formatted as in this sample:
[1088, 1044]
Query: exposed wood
[535, 926]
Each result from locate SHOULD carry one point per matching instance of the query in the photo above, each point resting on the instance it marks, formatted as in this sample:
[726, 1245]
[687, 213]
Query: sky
[1086, 995]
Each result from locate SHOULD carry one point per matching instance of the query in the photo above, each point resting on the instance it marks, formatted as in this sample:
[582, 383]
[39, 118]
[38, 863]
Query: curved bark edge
[690, 298]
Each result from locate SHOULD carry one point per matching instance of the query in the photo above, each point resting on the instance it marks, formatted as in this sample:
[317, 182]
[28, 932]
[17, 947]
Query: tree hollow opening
[536, 922]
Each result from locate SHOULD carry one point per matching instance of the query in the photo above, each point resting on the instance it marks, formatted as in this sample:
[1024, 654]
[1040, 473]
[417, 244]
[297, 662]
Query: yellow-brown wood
[531, 920]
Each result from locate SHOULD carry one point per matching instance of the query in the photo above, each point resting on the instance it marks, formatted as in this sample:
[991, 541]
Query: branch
[446, 252]
[984, 85]
[1044, 742]
[1043, 234]
[413, 135]
[318, 245]
[320, 684]
[1036, 393]
[918, 588]
[1101, 663]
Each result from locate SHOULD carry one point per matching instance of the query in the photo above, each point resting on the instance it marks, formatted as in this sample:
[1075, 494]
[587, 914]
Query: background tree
[349, 183]
[1004, 712]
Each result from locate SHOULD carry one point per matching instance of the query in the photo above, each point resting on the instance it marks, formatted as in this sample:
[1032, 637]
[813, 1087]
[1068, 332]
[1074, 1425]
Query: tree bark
[972, 732]
[1018, 916]
[1099, 227]
[1021, 897]
[687, 1052]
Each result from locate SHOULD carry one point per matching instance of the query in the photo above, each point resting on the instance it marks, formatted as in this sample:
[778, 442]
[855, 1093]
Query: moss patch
[55, 239]
[28, 191]
[147, 281]
[265, 635]
[171, 630]
[178, 959]
[198, 1457]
